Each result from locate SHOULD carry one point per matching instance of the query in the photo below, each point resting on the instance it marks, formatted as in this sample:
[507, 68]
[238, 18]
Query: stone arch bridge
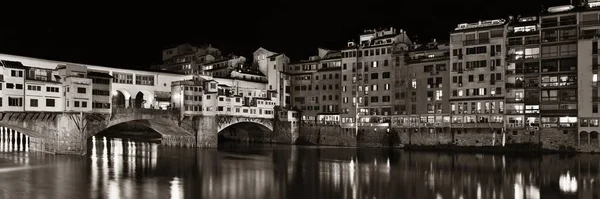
[67, 133]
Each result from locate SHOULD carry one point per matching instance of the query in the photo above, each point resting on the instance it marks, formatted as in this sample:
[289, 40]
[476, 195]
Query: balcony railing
[515, 125]
[532, 85]
[521, 33]
[476, 42]
[589, 35]
[514, 72]
[556, 23]
[589, 23]
[515, 112]
[515, 85]
[532, 101]
[595, 99]
[514, 100]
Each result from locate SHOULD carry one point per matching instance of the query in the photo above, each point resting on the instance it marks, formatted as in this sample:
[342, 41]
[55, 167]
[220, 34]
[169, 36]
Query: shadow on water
[124, 168]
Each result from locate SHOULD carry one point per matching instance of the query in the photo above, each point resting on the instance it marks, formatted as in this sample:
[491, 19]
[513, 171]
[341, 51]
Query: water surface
[119, 168]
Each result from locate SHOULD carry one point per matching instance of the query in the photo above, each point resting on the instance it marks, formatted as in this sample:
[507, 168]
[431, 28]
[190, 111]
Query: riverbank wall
[449, 139]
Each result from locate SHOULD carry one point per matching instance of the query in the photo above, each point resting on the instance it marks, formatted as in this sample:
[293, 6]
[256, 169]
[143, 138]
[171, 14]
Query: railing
[561, 23]
[532, 41]
[514, 85]
[532, 85]
[532, 101]
[476, 42]
[143, 111]
[595, 99]
[589, 35]
[515, 125]
[589, 23]
[514, 72]
[522, 33]
[514, 100]
[515, 112]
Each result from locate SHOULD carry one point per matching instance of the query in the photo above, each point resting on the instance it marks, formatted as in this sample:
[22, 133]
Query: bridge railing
[144, 111]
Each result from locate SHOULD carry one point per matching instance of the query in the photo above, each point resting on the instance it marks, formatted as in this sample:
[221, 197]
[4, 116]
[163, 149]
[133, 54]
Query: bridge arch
[163, 122]
[120, 98]
[246, 132]
[143, 99]
[227, 121]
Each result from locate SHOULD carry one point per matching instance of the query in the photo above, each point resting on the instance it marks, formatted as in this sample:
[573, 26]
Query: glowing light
[115, 92]
[567, 183]
[176, 190]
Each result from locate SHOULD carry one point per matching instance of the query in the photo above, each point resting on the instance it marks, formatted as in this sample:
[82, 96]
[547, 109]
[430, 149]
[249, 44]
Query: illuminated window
[414, 83]
[438, 94]
[374, 64]
[374, 87]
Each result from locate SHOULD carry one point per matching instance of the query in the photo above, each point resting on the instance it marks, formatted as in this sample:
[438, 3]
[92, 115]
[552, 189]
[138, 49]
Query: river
[119, 168]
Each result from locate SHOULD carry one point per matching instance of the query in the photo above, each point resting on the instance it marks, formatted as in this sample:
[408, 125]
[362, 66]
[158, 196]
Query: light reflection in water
[567, 183]
[176, 189]
[120, 168]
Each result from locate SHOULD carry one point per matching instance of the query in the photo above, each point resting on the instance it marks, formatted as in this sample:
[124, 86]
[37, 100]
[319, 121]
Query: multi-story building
[224, 66]
[587, 74]
[273, 65]
[558, 71]
[13, 92]
[424, 90]
[204, 95]
[187, 59]
[317, 88]
[101, 91]
[522, 75]
[478, 55]
[43, 90]
[368, 76]
[77, 87]
[369, 64]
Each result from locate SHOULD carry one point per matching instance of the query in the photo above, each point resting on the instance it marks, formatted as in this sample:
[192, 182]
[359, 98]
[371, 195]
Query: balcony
[515, 125]
[514, 100]
[589, 34]
[515, 112]
[589, 23]
[595, 99]
[523, 33]
[515, 85]
[514, 72]
[532, 100]
[476, 42]
[561, 23]
[532, 85]
[532, 41]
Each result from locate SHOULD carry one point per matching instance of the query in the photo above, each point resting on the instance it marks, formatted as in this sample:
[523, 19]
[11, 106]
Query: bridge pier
[207, 135]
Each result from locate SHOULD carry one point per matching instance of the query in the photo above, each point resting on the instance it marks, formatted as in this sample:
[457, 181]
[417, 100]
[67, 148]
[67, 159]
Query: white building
[44, 90]
[14, 92]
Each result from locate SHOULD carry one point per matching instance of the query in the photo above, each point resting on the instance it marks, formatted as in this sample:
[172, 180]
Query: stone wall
[374, 137]
[332, 135]
[207, 135]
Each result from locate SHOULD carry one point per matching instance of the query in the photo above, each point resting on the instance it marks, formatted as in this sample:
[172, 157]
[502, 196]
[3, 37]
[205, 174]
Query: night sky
[132, 36]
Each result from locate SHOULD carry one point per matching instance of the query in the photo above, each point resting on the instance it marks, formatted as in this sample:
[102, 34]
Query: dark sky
[132, 36]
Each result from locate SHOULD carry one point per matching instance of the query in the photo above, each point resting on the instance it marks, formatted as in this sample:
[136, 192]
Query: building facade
[522, 80]
[368, 70]
[477, 91]
[316, 87]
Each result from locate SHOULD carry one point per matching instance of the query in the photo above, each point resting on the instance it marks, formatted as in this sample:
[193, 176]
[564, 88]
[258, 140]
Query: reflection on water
[13, 141]
[120, 168]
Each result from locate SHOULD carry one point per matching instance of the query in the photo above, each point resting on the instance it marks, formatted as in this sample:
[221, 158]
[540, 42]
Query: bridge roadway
[67, 132]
